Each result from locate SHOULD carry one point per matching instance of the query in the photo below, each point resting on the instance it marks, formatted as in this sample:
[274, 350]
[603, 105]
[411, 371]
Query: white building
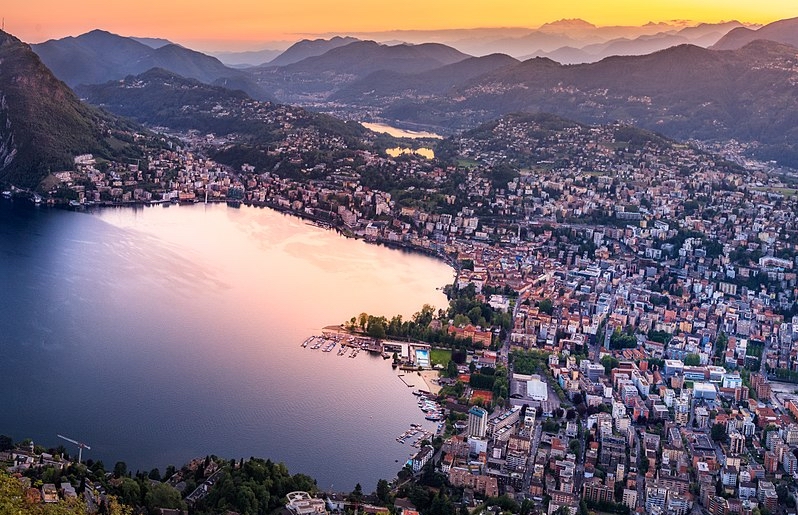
[301, 503]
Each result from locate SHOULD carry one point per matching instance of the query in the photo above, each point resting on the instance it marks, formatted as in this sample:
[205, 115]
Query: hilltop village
[649, 286]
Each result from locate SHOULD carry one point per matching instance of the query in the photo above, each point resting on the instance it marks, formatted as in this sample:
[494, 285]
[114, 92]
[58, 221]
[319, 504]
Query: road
[533, 451]
[641, 480]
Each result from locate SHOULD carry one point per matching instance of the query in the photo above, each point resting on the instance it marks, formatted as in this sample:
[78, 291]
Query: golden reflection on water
[423, 152]
[400, 133]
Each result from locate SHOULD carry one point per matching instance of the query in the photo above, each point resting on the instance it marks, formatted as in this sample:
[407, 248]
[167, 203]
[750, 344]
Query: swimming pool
[422, 358]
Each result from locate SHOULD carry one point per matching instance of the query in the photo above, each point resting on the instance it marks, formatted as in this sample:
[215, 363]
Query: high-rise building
[630, 498]
[736, 443]
[655, 497]
[477, 422]
[789, 462]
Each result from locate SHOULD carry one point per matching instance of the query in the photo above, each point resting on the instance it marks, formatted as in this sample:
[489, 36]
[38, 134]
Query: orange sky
[248, 23]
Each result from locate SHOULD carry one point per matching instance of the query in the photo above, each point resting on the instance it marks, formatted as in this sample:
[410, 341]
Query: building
[463, 478]
[717, 505]
[655, 497]
[613, 451]
[705, 391]
[422, 457]
[771, 462]
[629, 498]
[790, 463]
[736, 443]
[593, 490]
[537, 389]
[506, 419]
[678, 504]
[728, 476]
[301, 503]
[477, 422]
[49, 493]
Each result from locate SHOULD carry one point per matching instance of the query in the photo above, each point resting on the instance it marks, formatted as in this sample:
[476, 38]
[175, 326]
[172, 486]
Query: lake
[159, 334]
[399, 133]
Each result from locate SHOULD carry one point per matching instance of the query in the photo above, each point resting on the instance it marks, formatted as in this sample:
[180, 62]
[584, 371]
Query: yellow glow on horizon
[257, 21]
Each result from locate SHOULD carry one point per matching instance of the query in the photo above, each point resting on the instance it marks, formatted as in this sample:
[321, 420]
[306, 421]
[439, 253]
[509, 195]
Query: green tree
[6, 443]
[609, 363]
[129, 491]
[718, 432]
[161, 495]
[451, 369]
[720, 344]
[120, 469]
[383, 491]
[357, 493]
[692, 360]
[376, 329]
[546, 306]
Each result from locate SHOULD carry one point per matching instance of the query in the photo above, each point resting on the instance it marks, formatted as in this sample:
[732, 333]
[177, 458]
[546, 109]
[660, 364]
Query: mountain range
[683, 92]
[783, 31]
[43, 124]
[567, 41]
[744, 87]
[314, 78]
[99, 56]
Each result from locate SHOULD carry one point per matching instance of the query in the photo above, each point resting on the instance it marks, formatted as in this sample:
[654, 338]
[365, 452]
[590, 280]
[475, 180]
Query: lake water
[423, 151]
[400, 133]
[160, 334]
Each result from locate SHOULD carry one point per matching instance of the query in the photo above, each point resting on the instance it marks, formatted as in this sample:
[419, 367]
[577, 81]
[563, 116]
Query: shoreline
[315, 220]
[428, 376]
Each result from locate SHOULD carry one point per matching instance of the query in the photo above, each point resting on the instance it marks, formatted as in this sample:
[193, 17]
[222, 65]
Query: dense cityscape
[650, 289]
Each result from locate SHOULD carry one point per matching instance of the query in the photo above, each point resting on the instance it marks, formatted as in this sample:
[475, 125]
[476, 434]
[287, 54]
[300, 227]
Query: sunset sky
[247, 24]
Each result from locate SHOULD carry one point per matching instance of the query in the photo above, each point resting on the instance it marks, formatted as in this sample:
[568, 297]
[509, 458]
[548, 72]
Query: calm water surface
[160, 334]
[399, 133]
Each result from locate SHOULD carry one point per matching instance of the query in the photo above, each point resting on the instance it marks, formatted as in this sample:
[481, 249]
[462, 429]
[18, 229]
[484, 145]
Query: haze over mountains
[783, 31]
[743, 87]
[99, 56]
[567, 41]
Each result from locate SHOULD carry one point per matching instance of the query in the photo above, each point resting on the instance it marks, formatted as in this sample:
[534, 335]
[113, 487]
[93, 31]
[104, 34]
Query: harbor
[416, 434]
[408, 356]
[347, 346]
[414, 367]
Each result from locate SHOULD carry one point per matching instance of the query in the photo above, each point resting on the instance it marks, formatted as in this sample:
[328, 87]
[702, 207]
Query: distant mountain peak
[310, 48]
[568, 24]
[782, 31]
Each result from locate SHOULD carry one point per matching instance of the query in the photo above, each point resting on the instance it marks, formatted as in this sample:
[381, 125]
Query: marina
[416, 434]
[350, 346]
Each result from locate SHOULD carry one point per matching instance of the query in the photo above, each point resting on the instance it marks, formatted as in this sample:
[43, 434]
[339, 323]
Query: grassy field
[787, 192]
[467, 163]
[440, 356]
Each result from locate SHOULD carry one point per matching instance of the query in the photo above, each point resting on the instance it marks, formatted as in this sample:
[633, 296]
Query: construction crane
[80, 445]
